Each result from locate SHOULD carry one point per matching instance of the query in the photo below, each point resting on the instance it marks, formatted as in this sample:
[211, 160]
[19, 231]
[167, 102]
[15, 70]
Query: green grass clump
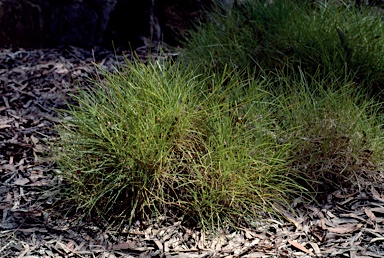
[266, 103]
[334, 39]
[155, 138]
[334, 129]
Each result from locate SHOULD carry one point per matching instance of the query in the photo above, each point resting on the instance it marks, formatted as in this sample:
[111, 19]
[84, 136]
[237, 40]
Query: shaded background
[88, 23]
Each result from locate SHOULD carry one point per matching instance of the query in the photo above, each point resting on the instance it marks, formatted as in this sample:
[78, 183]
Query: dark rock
[129, 23]
[21, 24]
[87, 23]
[73, 24]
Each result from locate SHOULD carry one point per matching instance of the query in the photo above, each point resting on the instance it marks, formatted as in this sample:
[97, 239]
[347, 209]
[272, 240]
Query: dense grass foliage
[267, 103]
[331, 38]
[157, 137]
[335, 130]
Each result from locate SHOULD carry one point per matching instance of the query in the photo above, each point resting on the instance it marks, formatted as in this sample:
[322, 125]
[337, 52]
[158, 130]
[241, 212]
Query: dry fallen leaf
[8, 167]
[378, 209]
[376, 195]
[338, 194]
[21, 181]
[318, 213]
[291, 218]
[256, 255]
[381, 239]
[345, 229]
[34, 139]
[2, 126]
[158, 244]
[248, 233]
[300, 247]
[315, 248]
[370, 214]
[124, 246]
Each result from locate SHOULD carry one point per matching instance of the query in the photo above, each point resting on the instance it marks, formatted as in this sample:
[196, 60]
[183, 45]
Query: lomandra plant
[155, 138]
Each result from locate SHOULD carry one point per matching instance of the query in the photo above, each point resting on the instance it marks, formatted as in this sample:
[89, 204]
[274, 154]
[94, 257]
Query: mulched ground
[33, 83]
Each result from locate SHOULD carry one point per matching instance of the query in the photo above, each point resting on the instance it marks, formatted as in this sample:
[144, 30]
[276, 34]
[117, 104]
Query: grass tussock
[268, 102]
[335, 131]
[154, 138]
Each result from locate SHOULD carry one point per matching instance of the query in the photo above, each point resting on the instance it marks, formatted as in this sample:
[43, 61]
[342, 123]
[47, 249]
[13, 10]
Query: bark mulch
[33, 83]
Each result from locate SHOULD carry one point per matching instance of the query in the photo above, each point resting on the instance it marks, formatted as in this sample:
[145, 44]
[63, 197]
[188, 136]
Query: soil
[35, 83]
